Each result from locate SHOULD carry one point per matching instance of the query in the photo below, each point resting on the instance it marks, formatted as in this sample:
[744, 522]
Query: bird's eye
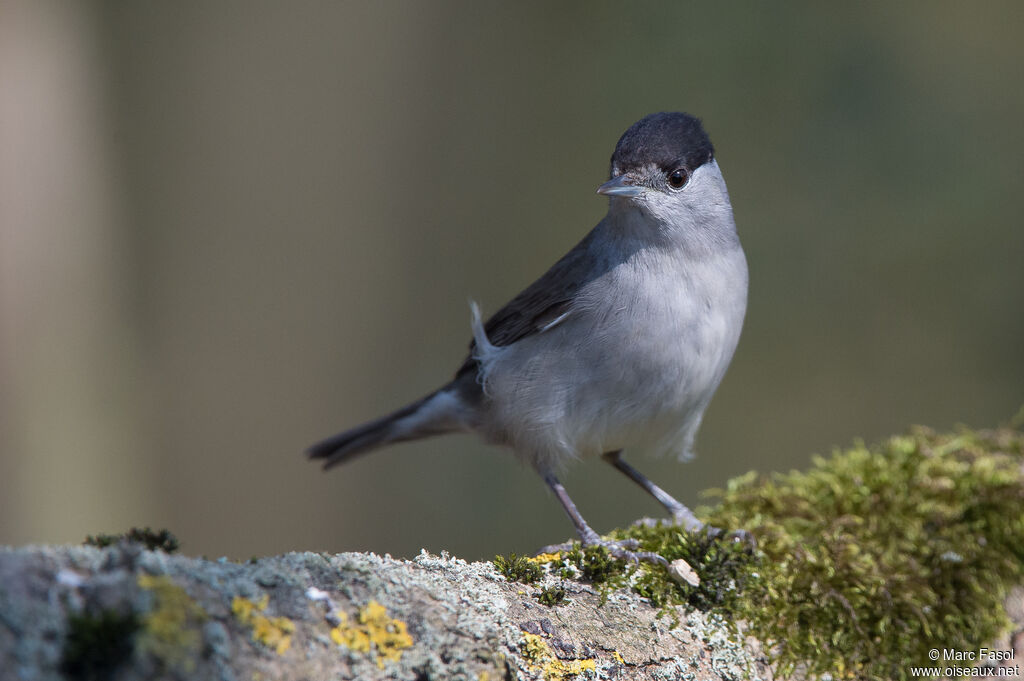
[677, 178]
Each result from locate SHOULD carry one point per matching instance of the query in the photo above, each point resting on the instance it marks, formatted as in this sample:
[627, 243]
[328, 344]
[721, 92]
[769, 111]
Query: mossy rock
[863, 563]
[877, 555]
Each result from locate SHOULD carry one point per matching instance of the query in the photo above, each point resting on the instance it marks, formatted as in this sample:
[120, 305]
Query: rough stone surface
[310, 616]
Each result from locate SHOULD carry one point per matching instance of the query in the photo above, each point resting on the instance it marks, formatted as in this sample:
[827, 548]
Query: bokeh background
[228, 229]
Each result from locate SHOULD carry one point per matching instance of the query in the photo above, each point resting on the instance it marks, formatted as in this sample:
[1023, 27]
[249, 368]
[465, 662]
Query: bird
[620, 345]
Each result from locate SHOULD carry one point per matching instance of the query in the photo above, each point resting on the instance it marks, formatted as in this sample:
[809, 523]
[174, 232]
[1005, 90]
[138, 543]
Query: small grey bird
[620, 344]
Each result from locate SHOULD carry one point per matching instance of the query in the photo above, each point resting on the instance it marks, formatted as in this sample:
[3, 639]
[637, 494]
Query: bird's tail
[439, 412]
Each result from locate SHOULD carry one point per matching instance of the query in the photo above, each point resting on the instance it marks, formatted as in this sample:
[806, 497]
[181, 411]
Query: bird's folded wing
[541, 306]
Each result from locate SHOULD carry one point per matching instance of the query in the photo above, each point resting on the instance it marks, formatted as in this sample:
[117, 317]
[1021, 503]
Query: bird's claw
[623, 549]
[740, 537]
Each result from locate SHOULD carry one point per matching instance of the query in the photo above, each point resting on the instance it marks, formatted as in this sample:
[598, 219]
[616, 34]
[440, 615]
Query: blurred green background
[228, 229]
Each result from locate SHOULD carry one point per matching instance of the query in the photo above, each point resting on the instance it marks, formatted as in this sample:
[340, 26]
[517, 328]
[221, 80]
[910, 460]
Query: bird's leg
[681, 515]
[588, 537]
[586, 533]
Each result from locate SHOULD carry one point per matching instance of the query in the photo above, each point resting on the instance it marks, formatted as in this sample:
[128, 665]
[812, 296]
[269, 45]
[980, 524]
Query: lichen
[373, 631]
[272, 632]
[171, 630]
[538, 656]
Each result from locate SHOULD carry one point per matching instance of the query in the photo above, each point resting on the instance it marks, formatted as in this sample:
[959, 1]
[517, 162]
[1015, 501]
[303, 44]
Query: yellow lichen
[170, 631]
[374, 630]
[539, 656]
[618, 657]
[273, 632]
[543, 558]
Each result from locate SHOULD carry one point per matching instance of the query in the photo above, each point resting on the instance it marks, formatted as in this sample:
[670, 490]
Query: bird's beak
[619, 186]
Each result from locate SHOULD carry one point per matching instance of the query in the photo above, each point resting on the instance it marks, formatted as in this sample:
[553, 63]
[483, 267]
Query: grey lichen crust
[123, 612]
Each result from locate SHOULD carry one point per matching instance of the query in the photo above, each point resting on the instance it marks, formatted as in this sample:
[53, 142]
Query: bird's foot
[685, 521]
[622, 549]
[741, 537]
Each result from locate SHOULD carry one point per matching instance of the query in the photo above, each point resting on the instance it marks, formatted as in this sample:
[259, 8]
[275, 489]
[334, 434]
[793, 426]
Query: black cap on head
[667, 140]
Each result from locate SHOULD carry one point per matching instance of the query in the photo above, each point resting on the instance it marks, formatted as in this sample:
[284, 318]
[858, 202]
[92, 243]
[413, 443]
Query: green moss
[153, 540]
[724, 567]
[551, 596]
[597, 565]
[518, 568]
[97, 644]
[876, 555]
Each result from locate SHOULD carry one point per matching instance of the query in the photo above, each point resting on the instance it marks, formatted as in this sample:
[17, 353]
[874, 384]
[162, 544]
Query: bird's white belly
[637, 371]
